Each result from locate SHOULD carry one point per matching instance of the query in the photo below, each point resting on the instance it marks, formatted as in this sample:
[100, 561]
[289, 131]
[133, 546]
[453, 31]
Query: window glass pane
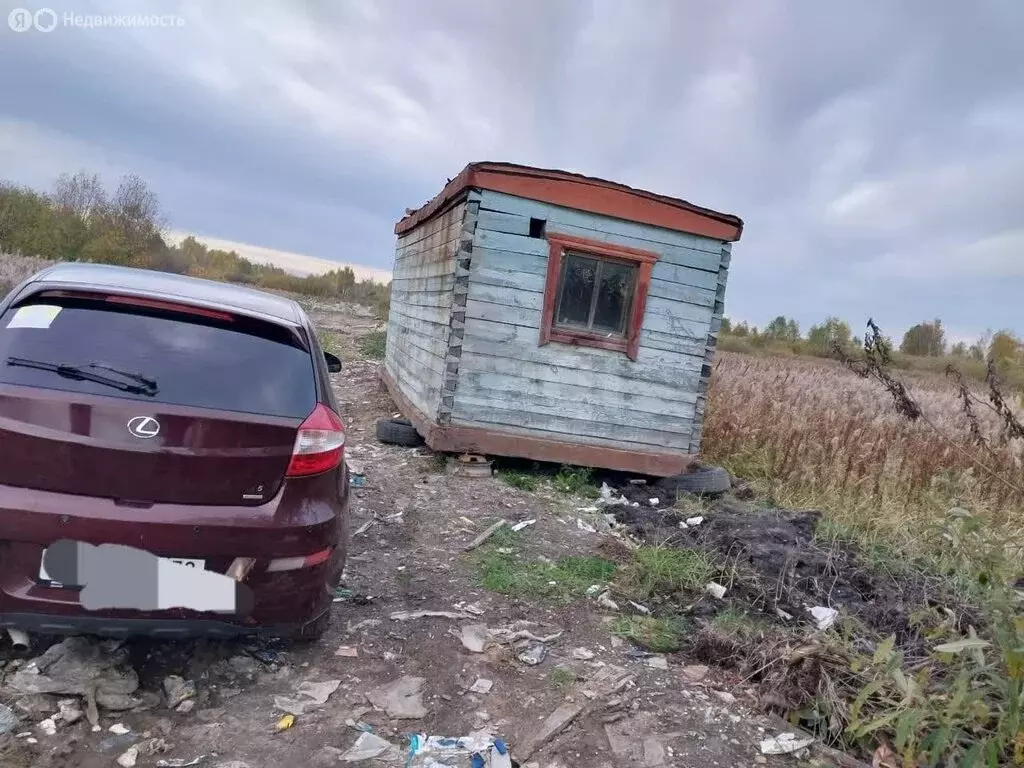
[614, 296]
[194, 363]
[578, 273]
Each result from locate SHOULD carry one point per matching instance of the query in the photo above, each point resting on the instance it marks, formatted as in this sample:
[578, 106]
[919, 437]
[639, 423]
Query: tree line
[79, 220]
[921, 342]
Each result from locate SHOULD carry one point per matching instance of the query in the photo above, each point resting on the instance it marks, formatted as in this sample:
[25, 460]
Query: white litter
[587, 510]
[595, 589]
[692, 522]
[641, 608]
[715, 589]
[482, 685]
[519, 526]
[118, 729]
[785, 744]
[683, 525]
[48, 726]
[583, 654]
[825, 617]
[586, 527]
[654, 501]
[606, 602]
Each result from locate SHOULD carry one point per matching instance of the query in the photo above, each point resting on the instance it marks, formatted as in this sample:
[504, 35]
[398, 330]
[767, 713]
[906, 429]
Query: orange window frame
[629, 342]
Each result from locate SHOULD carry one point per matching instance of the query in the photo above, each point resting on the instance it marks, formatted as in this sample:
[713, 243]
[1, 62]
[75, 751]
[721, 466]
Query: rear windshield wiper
[143, 386]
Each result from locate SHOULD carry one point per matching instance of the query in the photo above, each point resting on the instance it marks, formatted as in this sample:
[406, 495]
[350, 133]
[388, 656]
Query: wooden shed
[557, 317]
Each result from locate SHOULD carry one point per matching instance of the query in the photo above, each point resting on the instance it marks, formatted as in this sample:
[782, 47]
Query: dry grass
[811, 433]
[14, 269]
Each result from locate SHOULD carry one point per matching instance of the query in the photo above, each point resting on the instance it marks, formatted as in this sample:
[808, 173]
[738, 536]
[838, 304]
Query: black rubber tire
[700, 480]
[398, 432]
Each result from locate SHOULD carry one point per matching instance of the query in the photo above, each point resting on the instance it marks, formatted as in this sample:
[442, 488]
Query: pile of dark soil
[779, 569]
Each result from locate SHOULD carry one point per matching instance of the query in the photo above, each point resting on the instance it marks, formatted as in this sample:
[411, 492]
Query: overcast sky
[875, 149]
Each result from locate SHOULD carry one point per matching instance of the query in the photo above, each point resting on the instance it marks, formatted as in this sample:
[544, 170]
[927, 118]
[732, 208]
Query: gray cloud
[875, 150]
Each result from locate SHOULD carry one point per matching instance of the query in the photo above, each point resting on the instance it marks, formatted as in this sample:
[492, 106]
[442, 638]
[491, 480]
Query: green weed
[575, 481]
[561, 677]
[521, 480]
[374, 344]
[654, 634]
[666, 571]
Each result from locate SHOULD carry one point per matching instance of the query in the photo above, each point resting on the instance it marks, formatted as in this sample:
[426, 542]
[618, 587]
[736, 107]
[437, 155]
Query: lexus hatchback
[190, 420]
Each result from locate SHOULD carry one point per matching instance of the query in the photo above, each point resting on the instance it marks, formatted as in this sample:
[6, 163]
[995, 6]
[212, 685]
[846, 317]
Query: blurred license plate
[187, 561]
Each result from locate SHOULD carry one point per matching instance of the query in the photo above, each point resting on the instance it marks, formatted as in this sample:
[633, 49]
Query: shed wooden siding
[581, 394]
[419, 321]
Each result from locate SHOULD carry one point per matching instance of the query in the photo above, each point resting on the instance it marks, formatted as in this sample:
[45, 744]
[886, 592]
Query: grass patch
[575, 481]
[654, 634]
[502, 569]
[561, 677]
[521, 480]
[328, 342]
[666, 571]
[374, 344]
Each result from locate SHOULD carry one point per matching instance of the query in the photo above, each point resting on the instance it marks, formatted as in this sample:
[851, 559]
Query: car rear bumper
[282, 602]
[160, 629]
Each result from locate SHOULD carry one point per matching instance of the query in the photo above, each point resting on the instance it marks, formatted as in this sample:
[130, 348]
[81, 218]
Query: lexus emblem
[144, 427]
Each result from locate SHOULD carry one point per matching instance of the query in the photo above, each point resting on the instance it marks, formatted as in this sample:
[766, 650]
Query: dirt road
[411, 522]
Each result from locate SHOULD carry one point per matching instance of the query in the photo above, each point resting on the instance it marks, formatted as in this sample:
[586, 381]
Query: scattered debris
[367, 747]
[693, 522]
[485, 535]
[8, 719]
[348, 651]
[401, 699]
[695, 673]
[533, 655]
[343, 593]
[177, 690]
[80, 666]
[654, 501]
[656, 662]
[475, 637]
[482, 685]
[411, 615]
[48, 726]
[825, 617]
[785, 744]
[582, 654]
[725, 697]
[308, 696]
[285, 723]
[481, 749]
[641, 608]
[69, 711]
[119, 729]
[469, 465]
[525, 523]
[180, 762]
[595, 589]
[585, 527]
[606, 602]
[129, 758]
[364, 527]
[715, 589]
[609, 499]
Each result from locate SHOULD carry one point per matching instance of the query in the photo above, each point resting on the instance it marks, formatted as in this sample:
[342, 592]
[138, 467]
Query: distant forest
[79, 220]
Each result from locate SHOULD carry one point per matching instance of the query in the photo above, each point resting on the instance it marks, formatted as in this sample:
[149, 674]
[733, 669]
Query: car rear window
[240, 365]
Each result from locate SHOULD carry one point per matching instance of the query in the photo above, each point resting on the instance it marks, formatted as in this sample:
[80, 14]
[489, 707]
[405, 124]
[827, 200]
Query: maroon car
[190, 421]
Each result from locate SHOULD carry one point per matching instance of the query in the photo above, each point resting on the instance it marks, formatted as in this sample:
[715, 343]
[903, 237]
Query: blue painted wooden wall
[419, 321]
[506, 381]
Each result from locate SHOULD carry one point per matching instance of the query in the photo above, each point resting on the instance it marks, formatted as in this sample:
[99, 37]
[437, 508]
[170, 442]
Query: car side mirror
[333, 363]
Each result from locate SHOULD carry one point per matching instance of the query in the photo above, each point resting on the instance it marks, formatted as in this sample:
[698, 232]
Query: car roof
[165, 285]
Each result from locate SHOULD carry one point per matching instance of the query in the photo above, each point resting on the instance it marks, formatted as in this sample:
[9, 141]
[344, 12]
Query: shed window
[595, 294]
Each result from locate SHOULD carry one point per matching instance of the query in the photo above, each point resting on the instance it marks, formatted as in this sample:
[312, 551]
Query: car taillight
[295, 563]
[319, 445]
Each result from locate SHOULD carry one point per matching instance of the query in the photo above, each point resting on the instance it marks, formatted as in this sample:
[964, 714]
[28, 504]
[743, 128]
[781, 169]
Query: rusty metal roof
[586, 193]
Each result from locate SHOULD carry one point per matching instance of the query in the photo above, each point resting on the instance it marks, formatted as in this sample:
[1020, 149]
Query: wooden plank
[683, 257]
[430, 339]
[433, 269]
[503, 241]
[670, 342]
[541, 446]
[419, 393]
[439, 284]
[662, 289]
[557, 217]
[679, 310]
[488, 414]
[504, 222]
[517, 342]
[502, 313]
[430, 365]
[502, 278]
[428, 253]
[509, 386]
[685, 276]
[579, 409]
[437, 315]
[422, 298]
[476, 362]
[510, 261]
[448, 222]
[508, 296]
